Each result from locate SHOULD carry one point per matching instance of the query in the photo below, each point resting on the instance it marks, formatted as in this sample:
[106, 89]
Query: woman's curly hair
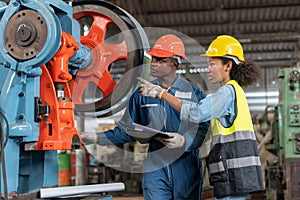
[245, 73]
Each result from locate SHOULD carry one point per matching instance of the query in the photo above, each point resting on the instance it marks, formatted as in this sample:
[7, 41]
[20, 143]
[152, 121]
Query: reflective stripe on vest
[239, 135]
[234, 163]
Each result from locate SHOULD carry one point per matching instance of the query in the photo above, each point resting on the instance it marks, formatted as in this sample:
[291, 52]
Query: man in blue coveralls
[173, 167]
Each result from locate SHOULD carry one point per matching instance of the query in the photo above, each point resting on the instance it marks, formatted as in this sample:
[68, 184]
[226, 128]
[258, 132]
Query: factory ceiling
[269, 30]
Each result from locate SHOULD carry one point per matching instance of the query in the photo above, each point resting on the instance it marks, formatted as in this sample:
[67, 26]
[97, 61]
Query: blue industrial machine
[283, 177]
[51, 53]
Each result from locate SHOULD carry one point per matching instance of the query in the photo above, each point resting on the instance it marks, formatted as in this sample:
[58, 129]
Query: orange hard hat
[167, 46]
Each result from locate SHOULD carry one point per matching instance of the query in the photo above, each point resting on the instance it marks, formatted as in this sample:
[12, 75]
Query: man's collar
[175, 85]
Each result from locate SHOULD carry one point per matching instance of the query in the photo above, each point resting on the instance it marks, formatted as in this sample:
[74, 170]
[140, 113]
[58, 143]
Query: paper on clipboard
[141, 131]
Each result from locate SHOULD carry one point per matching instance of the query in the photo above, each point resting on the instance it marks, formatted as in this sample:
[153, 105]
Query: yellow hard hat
[225, 45]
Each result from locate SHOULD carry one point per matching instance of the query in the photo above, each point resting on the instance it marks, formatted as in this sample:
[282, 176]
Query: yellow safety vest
[233, 162]
[242, 121]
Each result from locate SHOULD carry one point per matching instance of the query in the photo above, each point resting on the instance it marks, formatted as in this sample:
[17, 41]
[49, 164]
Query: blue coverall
[168, 173]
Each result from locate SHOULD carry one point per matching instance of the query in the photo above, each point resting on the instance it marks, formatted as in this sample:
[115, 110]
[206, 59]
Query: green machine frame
[284, 176]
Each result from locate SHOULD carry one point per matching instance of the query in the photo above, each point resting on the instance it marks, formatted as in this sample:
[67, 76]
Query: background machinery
[283, 176]
[57, 58]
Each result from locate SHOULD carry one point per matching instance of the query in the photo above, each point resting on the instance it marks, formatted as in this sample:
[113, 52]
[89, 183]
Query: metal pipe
[80, 190]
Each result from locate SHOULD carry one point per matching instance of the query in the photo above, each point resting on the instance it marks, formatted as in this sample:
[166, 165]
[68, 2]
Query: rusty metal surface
[25, 34]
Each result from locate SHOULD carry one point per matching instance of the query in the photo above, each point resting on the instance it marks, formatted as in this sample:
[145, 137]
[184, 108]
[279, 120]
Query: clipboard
[140, 131]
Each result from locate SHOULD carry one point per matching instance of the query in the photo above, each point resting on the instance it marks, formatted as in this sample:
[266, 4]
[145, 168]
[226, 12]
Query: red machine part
[60, 92]
[104, 53]
[117, 43]
[57, 130]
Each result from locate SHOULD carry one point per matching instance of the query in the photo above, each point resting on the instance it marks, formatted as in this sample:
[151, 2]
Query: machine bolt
[21, 94]
[295, 107]
[39, 100]
[22, 116]
[5, 64]
[292, 87]
[24, 32]
[39, 118]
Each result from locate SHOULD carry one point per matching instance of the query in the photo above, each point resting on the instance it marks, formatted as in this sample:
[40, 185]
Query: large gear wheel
[118, 43]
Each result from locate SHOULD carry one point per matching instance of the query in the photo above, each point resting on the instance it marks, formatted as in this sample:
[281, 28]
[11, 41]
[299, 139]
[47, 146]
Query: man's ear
[176, 64]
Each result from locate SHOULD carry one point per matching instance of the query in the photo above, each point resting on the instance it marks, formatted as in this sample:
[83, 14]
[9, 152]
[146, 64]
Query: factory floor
[256, 196]
[139, 198]
[129, 198]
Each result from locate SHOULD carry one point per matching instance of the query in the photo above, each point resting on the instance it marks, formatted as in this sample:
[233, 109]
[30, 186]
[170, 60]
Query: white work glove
[174, 141]
[148, 89]
[89, 138]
